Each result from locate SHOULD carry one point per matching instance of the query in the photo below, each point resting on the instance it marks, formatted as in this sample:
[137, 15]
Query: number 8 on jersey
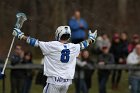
[65, 56]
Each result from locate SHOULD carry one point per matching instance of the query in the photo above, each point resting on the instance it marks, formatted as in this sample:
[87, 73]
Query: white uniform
[59, 64]
[60, 59]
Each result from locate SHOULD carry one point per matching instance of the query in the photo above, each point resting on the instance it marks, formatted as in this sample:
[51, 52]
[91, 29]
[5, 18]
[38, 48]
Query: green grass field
[123, 87]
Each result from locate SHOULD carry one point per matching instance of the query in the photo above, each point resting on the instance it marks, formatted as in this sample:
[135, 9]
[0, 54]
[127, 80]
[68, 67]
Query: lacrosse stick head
[21, 17]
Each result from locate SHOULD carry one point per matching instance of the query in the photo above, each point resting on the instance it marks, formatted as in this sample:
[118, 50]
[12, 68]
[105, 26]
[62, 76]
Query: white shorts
[57, 85]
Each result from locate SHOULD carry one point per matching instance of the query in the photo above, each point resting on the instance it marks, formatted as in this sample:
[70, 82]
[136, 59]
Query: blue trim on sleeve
[32, 41]
[85, 43]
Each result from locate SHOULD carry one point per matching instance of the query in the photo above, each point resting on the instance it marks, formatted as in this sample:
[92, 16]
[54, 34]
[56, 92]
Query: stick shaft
[6, 61]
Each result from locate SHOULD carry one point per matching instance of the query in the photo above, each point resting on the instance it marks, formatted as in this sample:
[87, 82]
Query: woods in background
[45, 15]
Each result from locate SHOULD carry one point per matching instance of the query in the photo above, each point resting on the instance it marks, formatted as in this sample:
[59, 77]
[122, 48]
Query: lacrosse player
[59, 57]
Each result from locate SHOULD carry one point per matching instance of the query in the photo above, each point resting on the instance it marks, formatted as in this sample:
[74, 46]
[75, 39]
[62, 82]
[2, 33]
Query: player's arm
[91, 39]
[20, 35]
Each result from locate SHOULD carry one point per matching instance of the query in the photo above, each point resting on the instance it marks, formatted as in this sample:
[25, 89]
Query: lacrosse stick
[21, 17]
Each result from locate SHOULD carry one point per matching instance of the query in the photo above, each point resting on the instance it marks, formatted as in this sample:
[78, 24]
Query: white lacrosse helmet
[61, 30]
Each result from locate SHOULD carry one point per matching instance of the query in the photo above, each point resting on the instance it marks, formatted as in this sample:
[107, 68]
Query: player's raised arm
[20, 35]
[91, 39]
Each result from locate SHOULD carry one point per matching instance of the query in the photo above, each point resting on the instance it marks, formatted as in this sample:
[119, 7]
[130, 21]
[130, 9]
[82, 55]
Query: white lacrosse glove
[17, 33]
[92, 36]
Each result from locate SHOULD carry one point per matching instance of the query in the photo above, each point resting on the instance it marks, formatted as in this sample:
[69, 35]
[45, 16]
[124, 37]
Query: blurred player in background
[78, 26]
[59, 57]
[116, 50]
[89, 69]
[28, 73]
[134, 75]
[16, 75]
[134, 42]
[104, 58]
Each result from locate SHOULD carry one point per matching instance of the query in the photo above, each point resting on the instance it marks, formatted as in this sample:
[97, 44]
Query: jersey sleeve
[44, 47]
[77, 49]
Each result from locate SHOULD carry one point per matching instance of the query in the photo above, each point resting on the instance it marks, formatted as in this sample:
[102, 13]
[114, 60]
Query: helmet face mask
[63, 31]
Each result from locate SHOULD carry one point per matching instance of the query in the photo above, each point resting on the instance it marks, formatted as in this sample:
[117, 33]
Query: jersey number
[65, 56]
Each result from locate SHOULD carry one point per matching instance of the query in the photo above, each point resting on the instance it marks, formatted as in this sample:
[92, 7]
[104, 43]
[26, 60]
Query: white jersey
[59, 59]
